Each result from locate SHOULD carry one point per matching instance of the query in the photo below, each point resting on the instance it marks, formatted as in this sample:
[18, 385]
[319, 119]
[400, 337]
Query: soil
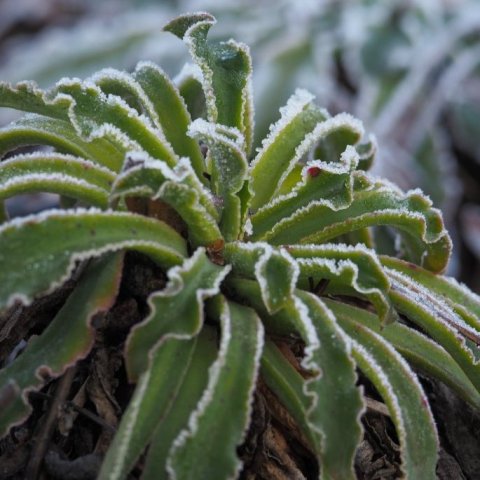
[75, 417]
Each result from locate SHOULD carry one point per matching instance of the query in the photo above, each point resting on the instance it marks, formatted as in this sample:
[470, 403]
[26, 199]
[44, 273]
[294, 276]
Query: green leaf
[194, 383]
[202, 227]
[27, 96]
[346, 266]
[37, 130]
[91, 113]
[336, 402]
[226, 68]
[90, 109]
[463, 301]
[282, 148]
[62, 164]
[180, 188]
[154, 394]
[165, 395]
[171, 112]
[205, 450]
[327, 403]
[437, 319]
[229, 170]
[367, 152]
[189, 83]
[145, 176]
[152, 92]
[67, 339]
[403, 395]
[419, 350]
[332, 136]
[274, 269]
[62, 238]
[330, 184]
[373, 204]
[56, 173]
[178, 309]
[123, 85]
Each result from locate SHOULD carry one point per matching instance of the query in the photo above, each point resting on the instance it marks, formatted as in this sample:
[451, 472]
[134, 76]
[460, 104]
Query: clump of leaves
[256, 248]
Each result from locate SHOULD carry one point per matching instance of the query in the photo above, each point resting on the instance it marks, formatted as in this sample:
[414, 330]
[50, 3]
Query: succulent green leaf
[56, 173]
[228, 170]
[346, 265]
[172, 113]
[420, 351]
[332, 136]
[403, 395]
[38, 130]
[336, 402]
[154, 394]
[229, 164]
[248, 292]
[67, 339]
[330, 184]
[122, 84]
[204, 450]
[274, 269]
[144, 176]
[27, 96]
[90, 109]
[178, 309]
[92, 113]
[165, 395]
[64, 237]
[373, 204]
[179, 187]
[367, 152]
[431, 313]
[226, 73]
[189, 84]
[180, 25]
[154, 93]
[329, 396]
[194, 383]
[463, 301]
[202, 227]
[286, 143]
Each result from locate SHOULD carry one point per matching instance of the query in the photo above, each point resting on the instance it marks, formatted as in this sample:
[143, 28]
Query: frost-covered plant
[256, 248]
[387, 62]
[409, 70]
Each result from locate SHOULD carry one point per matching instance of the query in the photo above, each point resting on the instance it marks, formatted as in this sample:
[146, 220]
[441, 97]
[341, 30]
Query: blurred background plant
[408, 69]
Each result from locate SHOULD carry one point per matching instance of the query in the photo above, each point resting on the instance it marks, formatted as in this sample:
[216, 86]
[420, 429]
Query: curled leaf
[204, 450]
[177, 310]
[226, 70]
[67, 339]
[66, 236]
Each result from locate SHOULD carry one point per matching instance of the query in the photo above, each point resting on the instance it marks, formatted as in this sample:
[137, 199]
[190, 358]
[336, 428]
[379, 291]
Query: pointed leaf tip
[180, 25]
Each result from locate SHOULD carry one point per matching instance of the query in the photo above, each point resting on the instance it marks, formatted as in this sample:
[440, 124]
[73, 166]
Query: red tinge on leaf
[314, 171]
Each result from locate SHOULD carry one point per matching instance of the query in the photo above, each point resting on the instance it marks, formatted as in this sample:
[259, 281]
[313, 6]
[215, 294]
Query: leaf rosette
[255, 248]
